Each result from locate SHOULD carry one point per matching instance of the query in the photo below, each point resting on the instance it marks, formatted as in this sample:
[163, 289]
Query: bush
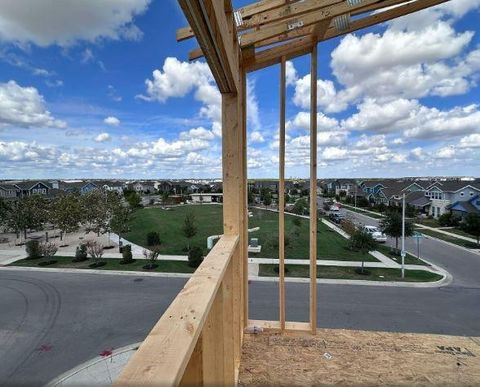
[33, 249]
[297, 222]
[195, 256]
[80, 253]
[153, 238]
[448, 220]
[127, 254]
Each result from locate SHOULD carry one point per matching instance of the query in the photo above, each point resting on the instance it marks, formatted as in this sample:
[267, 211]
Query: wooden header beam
[302, 45]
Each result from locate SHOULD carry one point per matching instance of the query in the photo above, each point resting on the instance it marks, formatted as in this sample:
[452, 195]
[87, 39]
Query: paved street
[51, 322]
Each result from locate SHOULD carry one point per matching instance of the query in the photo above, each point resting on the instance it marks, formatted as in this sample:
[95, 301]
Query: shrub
[48, 249]
[33, 249]
[448, 220]
[81, 253]
[195, 256]
[153, 238]
[297, 222]
[152, 256]
[127, 254]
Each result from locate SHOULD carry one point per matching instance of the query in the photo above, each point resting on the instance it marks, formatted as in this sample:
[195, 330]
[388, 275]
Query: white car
[376, 234]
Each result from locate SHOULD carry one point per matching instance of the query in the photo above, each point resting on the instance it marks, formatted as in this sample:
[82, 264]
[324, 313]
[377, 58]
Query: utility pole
[403, 236]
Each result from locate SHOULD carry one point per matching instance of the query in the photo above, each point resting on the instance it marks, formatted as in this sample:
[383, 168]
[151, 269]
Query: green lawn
[111, 264]
[209, 222]
[333, 272]
[409, 259]
[447, 238]
[428, 222]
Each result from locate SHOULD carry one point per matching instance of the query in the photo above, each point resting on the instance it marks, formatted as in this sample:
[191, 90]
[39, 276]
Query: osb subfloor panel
[343, 357]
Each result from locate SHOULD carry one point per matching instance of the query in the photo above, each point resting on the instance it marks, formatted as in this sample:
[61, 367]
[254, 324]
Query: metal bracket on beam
[238, 18]
[294, 25]
[342, 22]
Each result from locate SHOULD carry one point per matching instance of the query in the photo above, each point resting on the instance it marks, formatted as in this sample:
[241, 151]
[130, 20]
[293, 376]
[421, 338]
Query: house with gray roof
[445, 193]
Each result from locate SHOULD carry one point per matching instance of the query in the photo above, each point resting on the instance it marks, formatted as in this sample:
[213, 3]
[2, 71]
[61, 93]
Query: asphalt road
[52, 322]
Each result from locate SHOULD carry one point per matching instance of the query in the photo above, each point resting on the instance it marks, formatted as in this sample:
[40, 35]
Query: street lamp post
[403, 236]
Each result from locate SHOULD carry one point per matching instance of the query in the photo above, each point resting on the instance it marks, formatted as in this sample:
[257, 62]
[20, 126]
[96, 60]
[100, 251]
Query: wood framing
[313, 190]
[281, 196]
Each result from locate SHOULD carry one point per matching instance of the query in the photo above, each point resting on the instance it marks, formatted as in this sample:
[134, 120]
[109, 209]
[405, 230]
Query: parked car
[336, 217]
[376, 234]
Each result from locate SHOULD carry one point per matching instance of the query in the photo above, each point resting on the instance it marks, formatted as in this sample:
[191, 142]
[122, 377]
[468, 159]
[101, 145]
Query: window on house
[462, 193]
[471, 193]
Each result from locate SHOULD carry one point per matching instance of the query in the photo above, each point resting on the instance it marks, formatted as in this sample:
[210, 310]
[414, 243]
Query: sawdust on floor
[345, 357]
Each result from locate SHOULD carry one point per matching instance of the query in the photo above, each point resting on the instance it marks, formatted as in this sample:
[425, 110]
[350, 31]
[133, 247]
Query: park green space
[349, 273]
[448, 238]
[208, 219]
[110, 264]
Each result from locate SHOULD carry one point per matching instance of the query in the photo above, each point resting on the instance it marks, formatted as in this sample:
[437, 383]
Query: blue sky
[102, 89]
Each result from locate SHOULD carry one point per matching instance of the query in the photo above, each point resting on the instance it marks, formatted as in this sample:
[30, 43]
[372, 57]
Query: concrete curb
[89, 363]
[93, 271]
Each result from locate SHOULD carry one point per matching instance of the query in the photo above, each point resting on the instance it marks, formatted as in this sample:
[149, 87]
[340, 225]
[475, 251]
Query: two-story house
[445, 193]
[8, 191]
[81, 187]
[28, 188]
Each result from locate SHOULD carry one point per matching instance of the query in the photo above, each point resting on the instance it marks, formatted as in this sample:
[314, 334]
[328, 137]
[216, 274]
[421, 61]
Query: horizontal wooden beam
[313, 17]
[300, 46]
[245, 12]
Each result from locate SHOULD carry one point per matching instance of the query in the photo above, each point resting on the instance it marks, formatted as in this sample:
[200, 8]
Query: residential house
[463, 208]
[28, 188]
[8, 191]
[345, 185]
[143, 187]
[81, 187]
[112, 186]
[207, 197]
[445, 193]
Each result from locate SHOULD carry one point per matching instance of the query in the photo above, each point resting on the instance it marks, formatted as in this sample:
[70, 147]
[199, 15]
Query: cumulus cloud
[302, 121]
[256, 137]
[471, 141]
[102, 137]
[24, 107]
[197, 133]
[112, 121]
[291, 75]
[68, 21]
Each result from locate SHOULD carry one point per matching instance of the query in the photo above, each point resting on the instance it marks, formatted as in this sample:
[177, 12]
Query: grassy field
[111, 264]
[333, 272]
[451, 239]
[209, 222]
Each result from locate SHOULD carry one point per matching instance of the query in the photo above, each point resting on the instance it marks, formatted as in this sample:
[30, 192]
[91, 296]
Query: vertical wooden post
[313, 190]
[243, 242]
[281, 198]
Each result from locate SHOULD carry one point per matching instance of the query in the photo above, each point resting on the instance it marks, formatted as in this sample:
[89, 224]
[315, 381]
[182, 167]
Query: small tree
[363, 242]
[391, 225]
[81, 253]
[48, 250]
[471, 225]
[153, 238]
[33, 249]
[189, 227]
[134, 200]
[267, 199]
[95, 250]
[195, 256]
[66, 213]
[299, 207]
[152, 256]
[127, 254]
[119, 221]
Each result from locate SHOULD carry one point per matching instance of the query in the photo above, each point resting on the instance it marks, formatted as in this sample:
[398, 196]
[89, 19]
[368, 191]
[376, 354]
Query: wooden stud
[313, 190]
[281, 197]
[194, 371]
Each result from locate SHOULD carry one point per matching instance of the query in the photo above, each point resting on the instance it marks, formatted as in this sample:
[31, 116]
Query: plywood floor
[344, 357]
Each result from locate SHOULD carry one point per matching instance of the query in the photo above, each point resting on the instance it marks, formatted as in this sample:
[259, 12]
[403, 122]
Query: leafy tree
[471, 225]
[363, 242]
[267, 199]
[299, 207]
[81, 253]
[95, 211]
[165, 195]
[362, 202]
[134, 200]
[381, 208]
[127, 254]
[189, 227]
[448, 220]
[95, 250]
[195, 256]
[251, 198]
[4, 210]
[391, 225]
[33, 249]
[119, 220]
[66, 213]
[29, 212]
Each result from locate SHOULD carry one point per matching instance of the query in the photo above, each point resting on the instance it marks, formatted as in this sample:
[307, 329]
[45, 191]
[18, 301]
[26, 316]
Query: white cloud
[471, 141]
[291, 75]
[112, 121]
[177, 79]
[68, 21]
[327, 97]
[302, 121]
[445, 153]
[256, 137]
[102, 137]
[197, 133]
[253, 116]
[24, 107]
[334, 153]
